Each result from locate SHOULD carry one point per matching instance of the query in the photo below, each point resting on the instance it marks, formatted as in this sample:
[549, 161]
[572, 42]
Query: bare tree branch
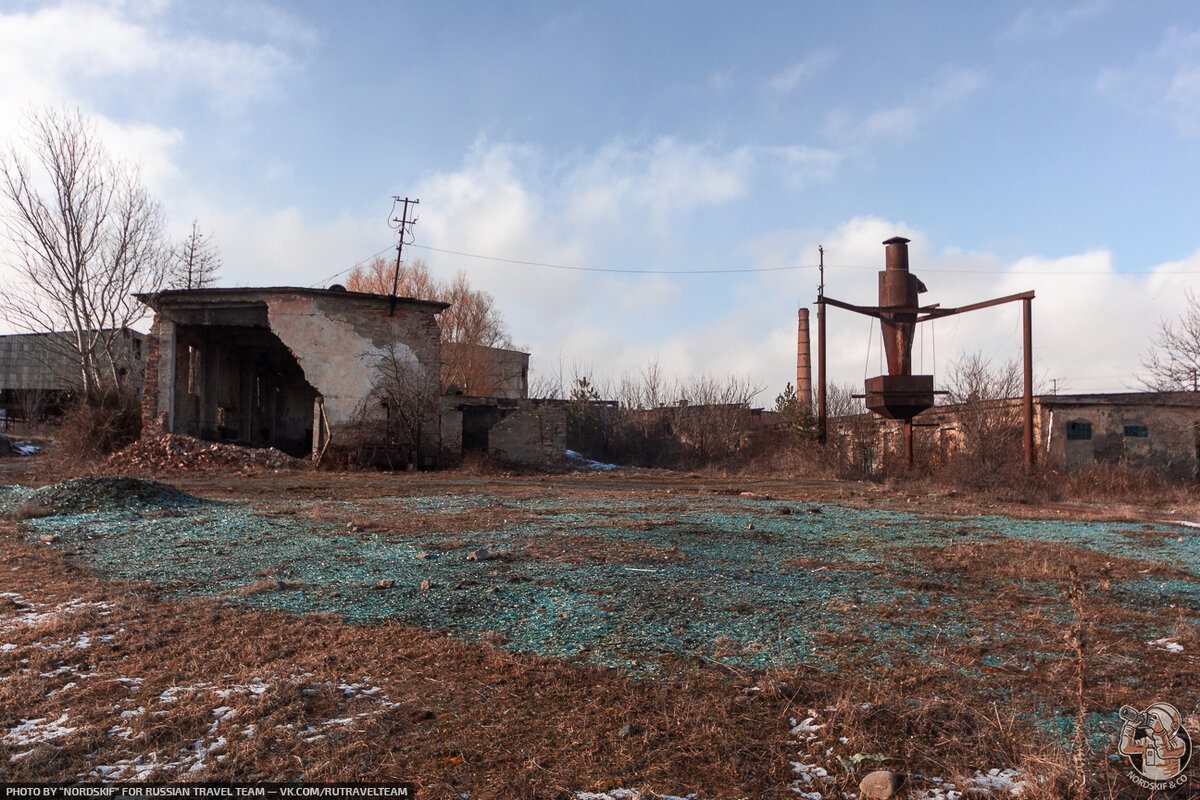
[194, 260]
[1173, 362]
[87, 236]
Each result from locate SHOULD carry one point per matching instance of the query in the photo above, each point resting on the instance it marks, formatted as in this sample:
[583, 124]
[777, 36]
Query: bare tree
[468, 327]
[396, 417]
[376, 278]
[86, 236]
[841, 402]
[712, 416]
[1173, 362]
[551, 383]
[194, 260]
[980, 391]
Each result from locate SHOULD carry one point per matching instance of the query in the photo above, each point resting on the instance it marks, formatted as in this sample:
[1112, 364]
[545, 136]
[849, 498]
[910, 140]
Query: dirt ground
[649, 632]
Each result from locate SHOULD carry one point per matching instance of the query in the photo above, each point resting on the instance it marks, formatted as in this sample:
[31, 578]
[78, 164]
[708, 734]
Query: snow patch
[580, 461]
[1008, 781]
[36, 731]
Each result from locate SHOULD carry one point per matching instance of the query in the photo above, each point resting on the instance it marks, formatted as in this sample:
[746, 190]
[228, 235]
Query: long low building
[38, 369]
[1160, 430]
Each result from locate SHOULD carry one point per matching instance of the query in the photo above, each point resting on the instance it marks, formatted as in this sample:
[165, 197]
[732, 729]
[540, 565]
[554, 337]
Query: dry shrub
[1030, 561]
[92, 428]
[1108, 482]
[475, 462]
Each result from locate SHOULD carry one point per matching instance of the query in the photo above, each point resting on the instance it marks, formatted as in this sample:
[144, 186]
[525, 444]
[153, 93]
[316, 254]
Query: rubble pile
[175, 451]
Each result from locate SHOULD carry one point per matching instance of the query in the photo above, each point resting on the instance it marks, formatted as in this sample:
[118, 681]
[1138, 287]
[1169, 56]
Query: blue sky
[1050, 147]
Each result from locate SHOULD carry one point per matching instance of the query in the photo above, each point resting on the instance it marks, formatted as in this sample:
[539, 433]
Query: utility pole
[822, 421]
[404, 227]
[1027, 396]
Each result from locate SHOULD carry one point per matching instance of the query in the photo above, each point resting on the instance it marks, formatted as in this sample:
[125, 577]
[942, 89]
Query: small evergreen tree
[797, 417]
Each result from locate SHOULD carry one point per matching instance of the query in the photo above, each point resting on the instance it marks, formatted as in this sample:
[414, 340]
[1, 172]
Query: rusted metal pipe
[898, 288]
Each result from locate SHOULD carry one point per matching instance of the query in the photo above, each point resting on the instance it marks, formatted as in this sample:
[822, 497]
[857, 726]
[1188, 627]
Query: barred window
[1079, 431]
[1137, 431]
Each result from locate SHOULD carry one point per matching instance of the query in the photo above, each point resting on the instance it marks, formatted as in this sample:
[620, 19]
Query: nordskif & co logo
[1156, 745]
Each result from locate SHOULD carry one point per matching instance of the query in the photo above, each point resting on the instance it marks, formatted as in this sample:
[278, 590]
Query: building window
[1137, 431]
[1079, 431]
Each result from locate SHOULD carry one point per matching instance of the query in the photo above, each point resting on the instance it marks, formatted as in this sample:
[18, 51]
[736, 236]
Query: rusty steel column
[908, 444]
[1027, 399]
[803, 361]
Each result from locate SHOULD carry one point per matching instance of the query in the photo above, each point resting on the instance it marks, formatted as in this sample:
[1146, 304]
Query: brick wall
[152, 425]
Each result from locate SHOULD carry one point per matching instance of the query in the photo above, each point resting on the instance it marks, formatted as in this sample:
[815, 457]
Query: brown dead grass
[1038, 561]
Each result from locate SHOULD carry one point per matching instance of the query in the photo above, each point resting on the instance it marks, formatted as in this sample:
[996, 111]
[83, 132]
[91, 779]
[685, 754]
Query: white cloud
[857, 135]
[813, 64]
[659, 182]
[69, 53]
[1091, 322]
[1045, 23]
[282, 248]
[1164, 82]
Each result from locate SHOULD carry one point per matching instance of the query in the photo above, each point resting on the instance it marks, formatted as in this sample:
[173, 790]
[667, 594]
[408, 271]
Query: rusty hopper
[899, 394]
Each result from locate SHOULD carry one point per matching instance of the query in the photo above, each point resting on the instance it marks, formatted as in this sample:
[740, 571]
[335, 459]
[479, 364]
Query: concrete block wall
[452, 430]
[534, 435]
[1170, 442]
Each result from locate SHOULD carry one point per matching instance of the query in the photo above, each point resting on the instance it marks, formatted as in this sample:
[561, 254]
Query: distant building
[477, 371]
[1134, 429]
[44, 367]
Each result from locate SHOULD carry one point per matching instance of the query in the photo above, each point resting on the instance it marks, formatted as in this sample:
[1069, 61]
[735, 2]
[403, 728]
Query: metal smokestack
[803, 362]
[898, 288]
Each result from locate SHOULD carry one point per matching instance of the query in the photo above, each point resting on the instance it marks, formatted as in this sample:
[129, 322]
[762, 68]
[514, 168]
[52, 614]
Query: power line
[576, 268]
[347, 269]
[614, 269]
[744, 270]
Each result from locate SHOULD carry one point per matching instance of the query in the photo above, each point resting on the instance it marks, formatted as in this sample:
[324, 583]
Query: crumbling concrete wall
[340, 348]
[1163, 437]
[535, 435]
[452, 430]
[1159, 430]
[153, 423]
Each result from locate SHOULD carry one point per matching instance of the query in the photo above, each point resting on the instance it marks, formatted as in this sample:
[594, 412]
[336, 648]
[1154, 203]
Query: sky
[691, 156]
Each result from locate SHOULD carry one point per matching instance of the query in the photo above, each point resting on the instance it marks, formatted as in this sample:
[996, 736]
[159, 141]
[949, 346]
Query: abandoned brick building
[307, 370]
